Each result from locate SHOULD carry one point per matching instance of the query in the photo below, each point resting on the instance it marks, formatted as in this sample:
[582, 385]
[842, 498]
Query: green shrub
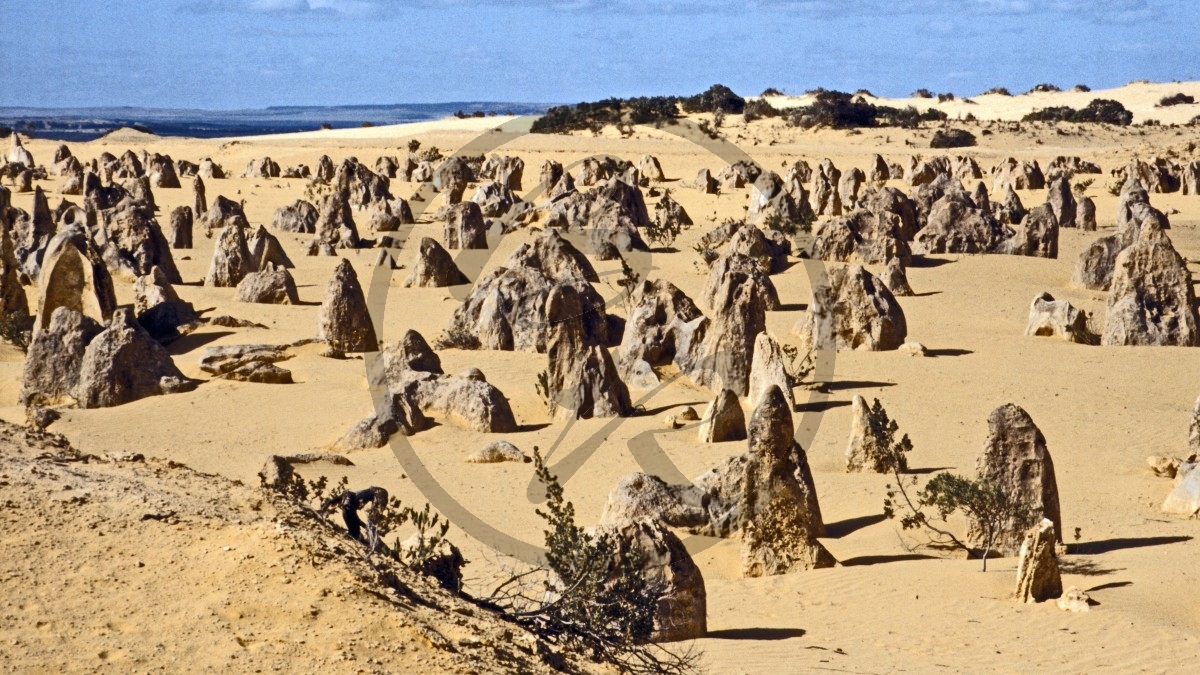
[952, 138]
[1176, 99]
[16, 328]
[716, 97]
[1099, 111]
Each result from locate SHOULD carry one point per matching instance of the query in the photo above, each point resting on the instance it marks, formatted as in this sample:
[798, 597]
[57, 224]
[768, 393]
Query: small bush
[998, 91]
[1043, 88]
[16, 328]
[456, 339]
[792, 227]
[628, 282]
[414, 145]
[922, 93]
[1176, 99]
[1081, 88]
[1099, 111]
[716, 97]
[952, 138]
[771, 91]
[595, 116]
[758, 109]
[594, 598]
[430, 154]
[942, 98]
[326, 126]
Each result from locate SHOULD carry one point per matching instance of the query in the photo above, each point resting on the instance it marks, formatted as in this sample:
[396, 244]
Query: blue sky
[226, 54]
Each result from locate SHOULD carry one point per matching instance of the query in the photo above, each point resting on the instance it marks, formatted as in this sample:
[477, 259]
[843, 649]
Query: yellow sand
[1102, 410]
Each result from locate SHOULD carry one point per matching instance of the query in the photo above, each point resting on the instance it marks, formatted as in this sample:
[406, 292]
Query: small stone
[1075, 600]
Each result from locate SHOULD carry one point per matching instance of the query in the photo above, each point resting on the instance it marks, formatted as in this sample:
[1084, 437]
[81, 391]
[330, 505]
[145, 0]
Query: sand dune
[1102, 409]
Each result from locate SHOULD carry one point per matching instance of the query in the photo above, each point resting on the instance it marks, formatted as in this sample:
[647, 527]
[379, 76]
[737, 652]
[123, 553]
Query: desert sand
[889, 606]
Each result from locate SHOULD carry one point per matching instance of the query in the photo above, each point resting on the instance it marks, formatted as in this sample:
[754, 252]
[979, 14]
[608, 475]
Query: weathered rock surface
[74, 275]
[231, 260]
[1015, 459]
[896, 279]
[434, 267]
[1184, 498]
[681, 609]
[343, 320]
[862, 236]
[179, 228]
[1037, 567]
[299, 216]
[55, 357]
[272, 286]
[854, 310]
[1036, 235]
[583, 380]
[123, 364]
[1151, 301]
[779, 516]
[496, 452]
[769, 369]
[465, 227]
[1058, 318]
[506, 308]
[661, 328]
[723, 419]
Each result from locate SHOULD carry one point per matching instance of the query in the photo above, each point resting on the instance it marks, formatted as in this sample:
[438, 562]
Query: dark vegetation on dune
[834, 109]
[1099, 111]
[1177, 99]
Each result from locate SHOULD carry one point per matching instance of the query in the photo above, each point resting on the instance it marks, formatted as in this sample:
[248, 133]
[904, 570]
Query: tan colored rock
[434, 267]
[1074, 600]
[1184, 498]
[1058, 318]
[467, 402]
[853, 311]
[1015, 458]
[507, 304]
[723, 419]
[272, 286]
[55, 357]
[1037, 567]
[896, 279]
[465, 227]
[266, 251]
[681, 609]
[1085, 214]
[779, 516]
[74, 276]
[12, 296]
[231, 260]
[343, 320]
[1151, 301]
[496, 452]
[769, 369]
[335, 228]
[299, 216]
[740, 302]
[583, 379]
[862, 237]
[660, 329]
[179, 229]
[123, 364]
[1035, 235]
